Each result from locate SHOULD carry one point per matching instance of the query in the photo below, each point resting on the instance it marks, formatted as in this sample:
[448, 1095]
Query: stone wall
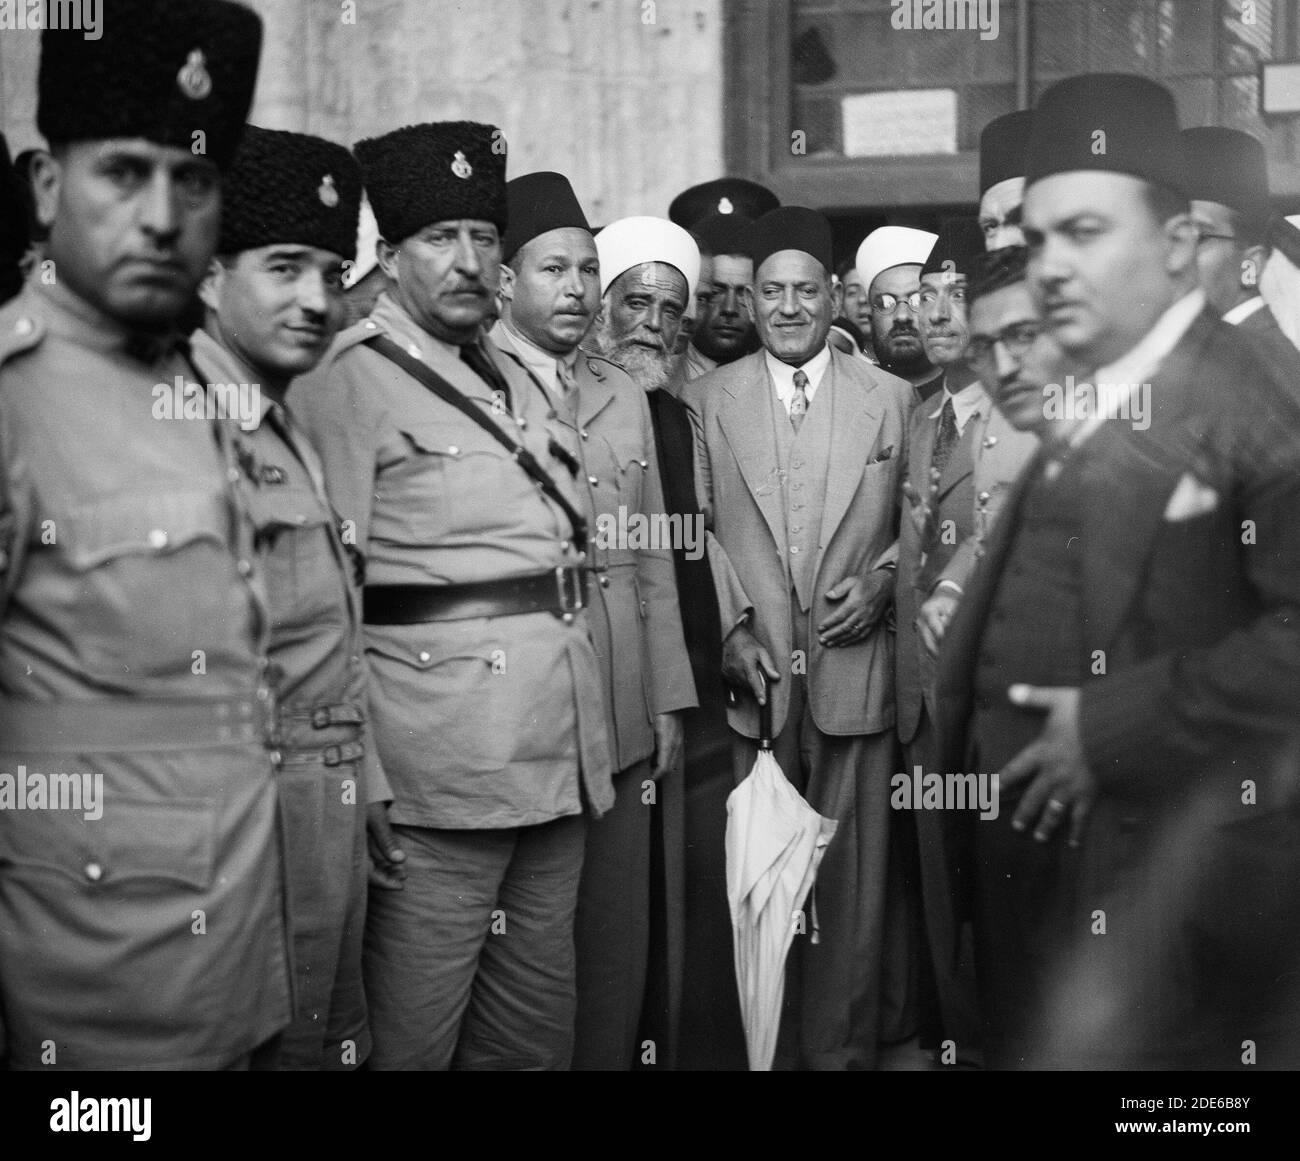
[623, 96]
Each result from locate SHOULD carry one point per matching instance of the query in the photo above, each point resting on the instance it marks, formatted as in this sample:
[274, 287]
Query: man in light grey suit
[799, 451]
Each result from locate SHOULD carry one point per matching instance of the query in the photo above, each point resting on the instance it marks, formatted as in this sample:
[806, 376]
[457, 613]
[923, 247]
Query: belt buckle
[567, 608]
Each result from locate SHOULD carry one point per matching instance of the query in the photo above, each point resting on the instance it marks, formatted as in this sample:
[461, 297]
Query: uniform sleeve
[672, 686]
[331, 406]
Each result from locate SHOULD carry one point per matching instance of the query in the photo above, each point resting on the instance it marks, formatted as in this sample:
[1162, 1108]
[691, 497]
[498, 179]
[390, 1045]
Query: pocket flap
[143, 523]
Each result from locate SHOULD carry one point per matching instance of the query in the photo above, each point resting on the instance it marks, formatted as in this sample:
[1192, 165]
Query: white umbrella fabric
[775, 842]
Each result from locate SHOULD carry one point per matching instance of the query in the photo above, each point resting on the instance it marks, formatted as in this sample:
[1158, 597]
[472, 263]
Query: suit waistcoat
[1034, 632]
[804, 460]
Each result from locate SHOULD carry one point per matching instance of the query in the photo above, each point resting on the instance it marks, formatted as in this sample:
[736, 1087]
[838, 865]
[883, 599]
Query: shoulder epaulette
[19, 332]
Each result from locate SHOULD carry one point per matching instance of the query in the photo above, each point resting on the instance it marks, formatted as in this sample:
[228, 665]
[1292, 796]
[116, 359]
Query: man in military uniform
[140, 920]
[274, 301]
[550, 294]
[452, 471]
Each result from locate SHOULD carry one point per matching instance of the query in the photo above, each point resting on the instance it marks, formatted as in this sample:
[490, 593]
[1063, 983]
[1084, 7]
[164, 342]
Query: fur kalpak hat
[437, 172]
[290, 188]
[164, 70]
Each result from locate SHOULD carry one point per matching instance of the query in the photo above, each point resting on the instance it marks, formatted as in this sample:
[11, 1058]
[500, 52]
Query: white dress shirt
[1136, 368]
[783, 375]
[1243, 310]
[967, 402]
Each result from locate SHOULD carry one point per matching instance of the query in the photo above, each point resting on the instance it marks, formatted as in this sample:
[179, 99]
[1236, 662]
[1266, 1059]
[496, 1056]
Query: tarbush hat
[1227, 166]
[960, 242]
[1108, 122]
[1003, 143]
[792, 228]
[536, 204]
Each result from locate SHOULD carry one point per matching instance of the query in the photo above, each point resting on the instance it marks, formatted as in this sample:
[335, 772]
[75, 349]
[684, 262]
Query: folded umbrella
[775, 842]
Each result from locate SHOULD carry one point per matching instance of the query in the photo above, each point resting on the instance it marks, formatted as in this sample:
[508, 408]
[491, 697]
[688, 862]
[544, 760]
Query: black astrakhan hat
[1111, 122]
[536, 204]
[791, 228]
[436, 172]
[960, 242]
[1003, 143]
[1229, 167]
[723, 233]
[290, 188]
[163, 70]
[724, 195]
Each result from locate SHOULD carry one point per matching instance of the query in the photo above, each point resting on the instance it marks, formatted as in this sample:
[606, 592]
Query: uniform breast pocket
[151, 578]
[304, 577]
[453, 479]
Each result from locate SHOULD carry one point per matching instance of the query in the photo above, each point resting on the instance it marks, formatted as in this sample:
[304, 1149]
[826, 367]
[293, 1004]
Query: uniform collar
[224, 366]
[542, 363]
[71, 317]
[406, 332]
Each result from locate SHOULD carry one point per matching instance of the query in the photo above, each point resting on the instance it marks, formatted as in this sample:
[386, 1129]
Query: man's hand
[933, 617]
[668, 743]
[863, 601]
[743, 658]
[1060, 782]
[386, 855]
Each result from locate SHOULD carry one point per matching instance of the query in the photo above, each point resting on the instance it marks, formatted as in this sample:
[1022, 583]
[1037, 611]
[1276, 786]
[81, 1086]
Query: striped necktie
[799, 403]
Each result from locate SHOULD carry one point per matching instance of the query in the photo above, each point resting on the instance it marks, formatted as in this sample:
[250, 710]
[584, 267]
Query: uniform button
[263, 694]
[245, 567]
[604, 582]
[354, 660]
[453, 450]
[983, 497]
[157, 538]
[644, 466]
[24, 326]
[794, 548]
[567, 618]
[276, 757]
[370, 326]
[796, 528]
[993, 439]
[797, 464]
[583, 433]
[592, 481]
[94, 872]
[413, 351]
[523, 423]
[424, 655]
[233, 475]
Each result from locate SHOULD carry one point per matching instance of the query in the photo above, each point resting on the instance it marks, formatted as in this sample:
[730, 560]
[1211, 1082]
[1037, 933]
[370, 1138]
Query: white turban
[632, 241]
[892, 246]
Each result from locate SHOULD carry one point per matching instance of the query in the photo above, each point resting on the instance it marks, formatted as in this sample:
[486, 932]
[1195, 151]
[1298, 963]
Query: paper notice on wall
[907, 121]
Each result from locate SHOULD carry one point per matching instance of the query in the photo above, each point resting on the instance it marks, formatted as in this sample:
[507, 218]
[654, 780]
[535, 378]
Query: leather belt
[561, 592]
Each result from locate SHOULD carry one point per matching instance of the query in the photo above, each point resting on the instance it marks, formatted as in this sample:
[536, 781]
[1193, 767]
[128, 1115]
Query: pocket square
[884, 455]
[1190, 499]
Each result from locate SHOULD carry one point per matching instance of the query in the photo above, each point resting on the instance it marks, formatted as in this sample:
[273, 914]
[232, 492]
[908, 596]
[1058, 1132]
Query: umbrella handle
[765, 714]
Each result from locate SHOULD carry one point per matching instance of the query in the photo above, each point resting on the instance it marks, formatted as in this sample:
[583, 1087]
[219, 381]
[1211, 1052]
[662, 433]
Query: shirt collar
[405, 331]
[543, 364]
[1143, 360]
[1243, 310]
[783, 373]
[222, 365]
[70, 316]
[966, 402]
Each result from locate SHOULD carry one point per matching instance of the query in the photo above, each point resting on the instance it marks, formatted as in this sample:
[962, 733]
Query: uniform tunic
[152, 936]
[319, 679]
[485, 722]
